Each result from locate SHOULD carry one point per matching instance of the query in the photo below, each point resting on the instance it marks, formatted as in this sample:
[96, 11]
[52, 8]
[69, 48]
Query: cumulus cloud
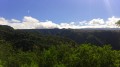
[14, 21]
[29, 22]
[3, 21]
[97, 22]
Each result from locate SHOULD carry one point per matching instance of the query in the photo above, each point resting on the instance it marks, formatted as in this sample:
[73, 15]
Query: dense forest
[97, 37]
[59, 48]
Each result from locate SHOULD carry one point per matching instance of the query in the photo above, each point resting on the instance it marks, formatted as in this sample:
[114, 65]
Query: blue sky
[32, 14]
[59, 10]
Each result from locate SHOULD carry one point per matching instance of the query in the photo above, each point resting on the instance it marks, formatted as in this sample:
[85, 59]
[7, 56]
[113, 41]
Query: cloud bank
[29, 22]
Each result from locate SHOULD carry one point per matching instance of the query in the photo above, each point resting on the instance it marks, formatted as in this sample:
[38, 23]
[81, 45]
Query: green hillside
[58, 48]
[94, 36]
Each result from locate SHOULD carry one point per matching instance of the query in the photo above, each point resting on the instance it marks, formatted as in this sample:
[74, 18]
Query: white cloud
[111, 21]
[15, 21]
[97, 22]
[29, 22]
[46, 24]
[3, 21]
[30, 19]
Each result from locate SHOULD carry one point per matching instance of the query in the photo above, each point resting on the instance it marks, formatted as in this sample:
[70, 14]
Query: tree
[118, 23]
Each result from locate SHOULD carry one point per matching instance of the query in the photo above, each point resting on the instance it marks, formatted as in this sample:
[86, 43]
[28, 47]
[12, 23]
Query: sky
[32, 14]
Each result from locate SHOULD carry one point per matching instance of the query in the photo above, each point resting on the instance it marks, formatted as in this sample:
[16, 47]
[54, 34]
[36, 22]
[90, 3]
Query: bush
[85, 55]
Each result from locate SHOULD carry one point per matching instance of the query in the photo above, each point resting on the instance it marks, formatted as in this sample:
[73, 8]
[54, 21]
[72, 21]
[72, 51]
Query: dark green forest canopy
[47, 37]
[98, 37]
[29, 40]
[59, 48]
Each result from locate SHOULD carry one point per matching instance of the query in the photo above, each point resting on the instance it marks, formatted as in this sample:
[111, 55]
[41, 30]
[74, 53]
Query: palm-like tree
[118, 23]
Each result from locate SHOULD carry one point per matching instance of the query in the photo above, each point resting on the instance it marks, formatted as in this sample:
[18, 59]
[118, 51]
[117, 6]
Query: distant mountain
[5, 27]
[22, 38]
[96, 36]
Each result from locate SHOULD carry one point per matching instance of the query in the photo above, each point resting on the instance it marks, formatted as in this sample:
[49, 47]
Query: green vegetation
[85, 55]
[80, 36]
[118, 23]
[19, 48]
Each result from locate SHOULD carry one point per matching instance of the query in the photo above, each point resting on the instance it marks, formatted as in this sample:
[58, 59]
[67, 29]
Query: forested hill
[97, 37]
[94, 36]
[25, 41]
[59, 48]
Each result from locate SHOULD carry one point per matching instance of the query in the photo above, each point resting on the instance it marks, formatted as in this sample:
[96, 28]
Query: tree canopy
[57, 48]
[118, 23]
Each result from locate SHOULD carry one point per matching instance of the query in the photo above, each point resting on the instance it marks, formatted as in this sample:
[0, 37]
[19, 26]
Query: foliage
[20, 48]
[95, 36]
[85, 55]
[118, 23]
